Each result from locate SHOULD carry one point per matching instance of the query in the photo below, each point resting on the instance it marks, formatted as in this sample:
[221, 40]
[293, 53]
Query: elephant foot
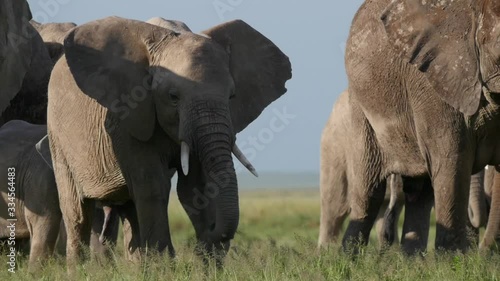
[355, 238]
[451, 240]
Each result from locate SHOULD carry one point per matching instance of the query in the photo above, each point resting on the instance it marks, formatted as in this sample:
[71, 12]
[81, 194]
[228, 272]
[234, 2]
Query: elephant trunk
[477, 201]
[493, 227]
[212, 140]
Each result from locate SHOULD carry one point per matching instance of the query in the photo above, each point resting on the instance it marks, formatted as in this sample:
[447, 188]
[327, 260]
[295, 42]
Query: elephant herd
[98, 117]
[421, 114]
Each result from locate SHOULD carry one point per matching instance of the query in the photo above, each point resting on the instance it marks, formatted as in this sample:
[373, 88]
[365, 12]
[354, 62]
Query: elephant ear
[438, 36]
[43, 148]
[258, 67]
[109, 60]
[53, 35]
[15, 48]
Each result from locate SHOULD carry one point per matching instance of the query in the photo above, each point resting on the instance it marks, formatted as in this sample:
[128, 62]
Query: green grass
[276, 241]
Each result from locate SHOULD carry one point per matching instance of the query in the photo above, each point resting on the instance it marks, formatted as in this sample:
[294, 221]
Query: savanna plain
[276, 240]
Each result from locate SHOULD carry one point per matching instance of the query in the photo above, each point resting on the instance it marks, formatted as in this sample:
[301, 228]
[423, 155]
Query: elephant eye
[232, 95]
[174, 95]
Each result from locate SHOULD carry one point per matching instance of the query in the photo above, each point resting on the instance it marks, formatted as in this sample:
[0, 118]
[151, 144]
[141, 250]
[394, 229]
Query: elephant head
[53, 35]
[174, 25]
[454, 42]
[199, 90]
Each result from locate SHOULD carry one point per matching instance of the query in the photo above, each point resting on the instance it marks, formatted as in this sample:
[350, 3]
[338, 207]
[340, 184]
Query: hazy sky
[311, 33]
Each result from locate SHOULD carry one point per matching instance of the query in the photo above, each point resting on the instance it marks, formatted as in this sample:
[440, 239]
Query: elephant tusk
[241, 157]
[107, 213]
[185, 158]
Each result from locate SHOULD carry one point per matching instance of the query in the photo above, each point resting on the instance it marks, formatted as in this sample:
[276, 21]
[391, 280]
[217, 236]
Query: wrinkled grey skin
[126, 94]
[422, 104]
[53, 36]
[25, 66]
[36, 202]
[105, 217]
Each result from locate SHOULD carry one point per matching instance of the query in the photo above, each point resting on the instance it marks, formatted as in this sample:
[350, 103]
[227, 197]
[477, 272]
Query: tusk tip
[254, 172]
[185, 170]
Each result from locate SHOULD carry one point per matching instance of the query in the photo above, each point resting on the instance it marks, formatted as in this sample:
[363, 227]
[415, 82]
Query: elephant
[29, 188]
[25, 66]
[422, 105]
[128, 101]
[334, 190]
[333, 181]
[336, 193]
[28, 191]
[53, 35]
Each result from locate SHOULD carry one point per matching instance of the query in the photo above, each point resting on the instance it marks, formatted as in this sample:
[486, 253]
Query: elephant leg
[153, 219]
[76, 213]
[131, 233]
[78, 221]
[146, 179]
[478, 215]
[365, 206]
[367, 185]
[419, 200]
[43, 235]
[61, 240]
[451, 194]
[492, 233]
[334, 198]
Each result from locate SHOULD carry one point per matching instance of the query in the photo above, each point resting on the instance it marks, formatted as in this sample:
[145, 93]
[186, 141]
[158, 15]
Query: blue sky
[286, 136]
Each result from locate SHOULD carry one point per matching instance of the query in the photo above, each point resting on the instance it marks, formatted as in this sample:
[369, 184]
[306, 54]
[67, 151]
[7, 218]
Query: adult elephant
[53, 36]
[336, 190]
[25, 66]
[130, 100]
[422, 104]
